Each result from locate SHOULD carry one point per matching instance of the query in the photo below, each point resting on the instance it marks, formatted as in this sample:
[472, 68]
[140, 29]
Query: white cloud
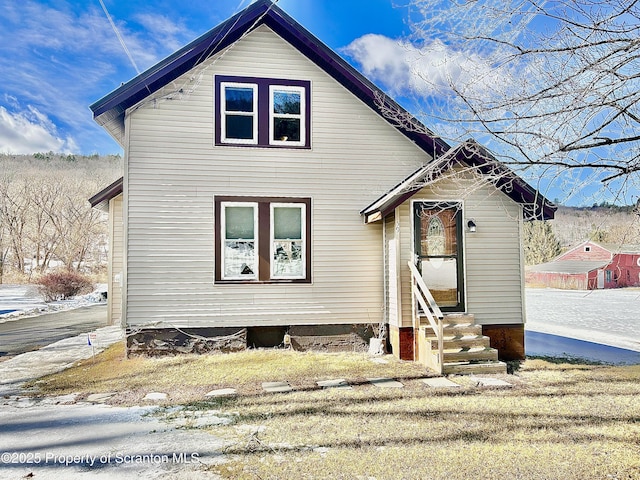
[59, 60]
[164, 32]
[30, 132]
[403, 68]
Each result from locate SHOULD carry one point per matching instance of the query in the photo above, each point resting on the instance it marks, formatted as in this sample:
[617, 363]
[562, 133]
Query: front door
[438, 250]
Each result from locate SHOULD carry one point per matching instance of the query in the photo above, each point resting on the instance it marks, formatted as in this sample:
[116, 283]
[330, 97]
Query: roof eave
[101, 199]
[115, 104]
[111, 108]
[535, 205]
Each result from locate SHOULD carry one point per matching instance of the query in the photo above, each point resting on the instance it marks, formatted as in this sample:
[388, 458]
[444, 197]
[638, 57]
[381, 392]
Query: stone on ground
[340, 383]
[222, 392]
[276, 387]
[385, 382]
[490, 382]
[155, 396]
[440, 382]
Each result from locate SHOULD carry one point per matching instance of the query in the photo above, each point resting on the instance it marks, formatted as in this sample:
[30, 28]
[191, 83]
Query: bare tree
[45, 218]
[550, 87]
[15, 206]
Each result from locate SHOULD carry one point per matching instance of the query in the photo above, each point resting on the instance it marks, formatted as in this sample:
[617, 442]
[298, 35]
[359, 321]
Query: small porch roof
[101, 199]
[471, 154]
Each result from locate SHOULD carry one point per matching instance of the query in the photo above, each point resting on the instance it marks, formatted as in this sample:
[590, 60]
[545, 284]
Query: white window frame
[223, 230]
[272, 239]
[301, 116]
[224, 113]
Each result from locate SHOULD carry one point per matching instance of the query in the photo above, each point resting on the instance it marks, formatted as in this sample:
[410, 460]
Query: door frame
[460, 240]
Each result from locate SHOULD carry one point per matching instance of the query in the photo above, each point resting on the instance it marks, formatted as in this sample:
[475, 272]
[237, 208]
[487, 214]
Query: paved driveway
[26, 334]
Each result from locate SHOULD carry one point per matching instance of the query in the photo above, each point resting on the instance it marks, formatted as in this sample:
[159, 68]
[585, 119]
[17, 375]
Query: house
[266, 192]
[590, 266]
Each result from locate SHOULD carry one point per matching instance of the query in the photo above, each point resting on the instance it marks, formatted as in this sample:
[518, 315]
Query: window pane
[287, 223]
[239, 223]
[239, 259]
[286, 129]
[287, 259]
[286, 102]
[238, 99]
[239, 126]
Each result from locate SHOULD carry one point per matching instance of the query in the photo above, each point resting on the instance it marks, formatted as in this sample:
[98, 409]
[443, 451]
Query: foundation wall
[326, 338]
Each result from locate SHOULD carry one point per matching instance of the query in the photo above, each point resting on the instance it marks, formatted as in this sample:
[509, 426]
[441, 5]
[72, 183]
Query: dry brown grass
[558, 421]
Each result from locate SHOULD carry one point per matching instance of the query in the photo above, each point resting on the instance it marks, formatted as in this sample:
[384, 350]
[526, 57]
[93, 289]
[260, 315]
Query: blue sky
[59, 56]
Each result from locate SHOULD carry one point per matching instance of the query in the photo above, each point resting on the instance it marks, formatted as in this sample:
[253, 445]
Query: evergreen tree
[540, 242]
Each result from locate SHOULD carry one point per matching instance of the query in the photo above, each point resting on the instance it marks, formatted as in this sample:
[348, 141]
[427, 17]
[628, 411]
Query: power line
[115, 29]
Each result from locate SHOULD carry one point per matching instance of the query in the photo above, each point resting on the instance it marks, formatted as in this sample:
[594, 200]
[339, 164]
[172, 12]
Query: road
[26, 334]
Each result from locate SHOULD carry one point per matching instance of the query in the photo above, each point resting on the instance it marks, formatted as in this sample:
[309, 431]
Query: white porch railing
[420, 295]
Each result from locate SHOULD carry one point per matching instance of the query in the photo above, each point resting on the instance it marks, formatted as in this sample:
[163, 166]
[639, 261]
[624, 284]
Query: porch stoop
[466, 350]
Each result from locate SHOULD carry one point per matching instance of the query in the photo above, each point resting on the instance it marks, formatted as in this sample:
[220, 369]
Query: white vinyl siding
[115, 271]
[174, 171]
[392, 272]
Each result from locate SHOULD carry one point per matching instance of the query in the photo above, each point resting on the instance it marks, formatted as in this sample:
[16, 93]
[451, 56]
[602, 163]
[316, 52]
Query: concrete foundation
[326, 338]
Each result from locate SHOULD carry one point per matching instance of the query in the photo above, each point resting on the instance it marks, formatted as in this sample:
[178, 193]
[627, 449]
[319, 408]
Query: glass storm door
[438, 249]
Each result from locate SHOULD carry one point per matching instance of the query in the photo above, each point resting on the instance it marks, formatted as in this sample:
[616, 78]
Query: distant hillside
[605, 223]
[46, 221]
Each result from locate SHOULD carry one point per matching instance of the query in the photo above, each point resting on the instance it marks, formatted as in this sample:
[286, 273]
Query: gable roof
[472, 154]
[610, 248]
[109, 111]
[101, 199]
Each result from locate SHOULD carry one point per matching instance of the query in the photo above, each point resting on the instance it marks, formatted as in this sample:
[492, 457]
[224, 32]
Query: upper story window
[286, 112]
[239, 113]
[262, 112]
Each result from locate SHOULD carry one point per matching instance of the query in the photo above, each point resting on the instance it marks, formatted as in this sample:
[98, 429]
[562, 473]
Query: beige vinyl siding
[116, 234]
[492, 255]
[392, 271]
[174, 171]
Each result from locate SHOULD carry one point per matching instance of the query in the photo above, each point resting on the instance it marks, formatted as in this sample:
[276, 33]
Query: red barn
[590, 266]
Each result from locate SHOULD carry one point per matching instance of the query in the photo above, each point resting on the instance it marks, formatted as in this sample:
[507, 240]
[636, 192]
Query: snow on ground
[56, 439]
[610, 317]
[54, 357]
[20, 301]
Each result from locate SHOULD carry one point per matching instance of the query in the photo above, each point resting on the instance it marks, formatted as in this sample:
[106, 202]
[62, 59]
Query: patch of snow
[21, 301]
[609, 317]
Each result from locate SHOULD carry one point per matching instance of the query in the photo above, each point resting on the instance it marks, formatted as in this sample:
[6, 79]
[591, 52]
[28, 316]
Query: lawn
[557, 421]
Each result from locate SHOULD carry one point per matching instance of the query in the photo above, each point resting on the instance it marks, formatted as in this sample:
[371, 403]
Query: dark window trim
[264, 240]
[263, 110]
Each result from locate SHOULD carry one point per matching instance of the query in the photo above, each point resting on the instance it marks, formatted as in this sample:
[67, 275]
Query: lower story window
[263, 240]
[239, 225]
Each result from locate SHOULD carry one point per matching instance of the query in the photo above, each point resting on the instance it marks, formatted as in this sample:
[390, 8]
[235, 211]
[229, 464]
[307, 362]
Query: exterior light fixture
[471, 225]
